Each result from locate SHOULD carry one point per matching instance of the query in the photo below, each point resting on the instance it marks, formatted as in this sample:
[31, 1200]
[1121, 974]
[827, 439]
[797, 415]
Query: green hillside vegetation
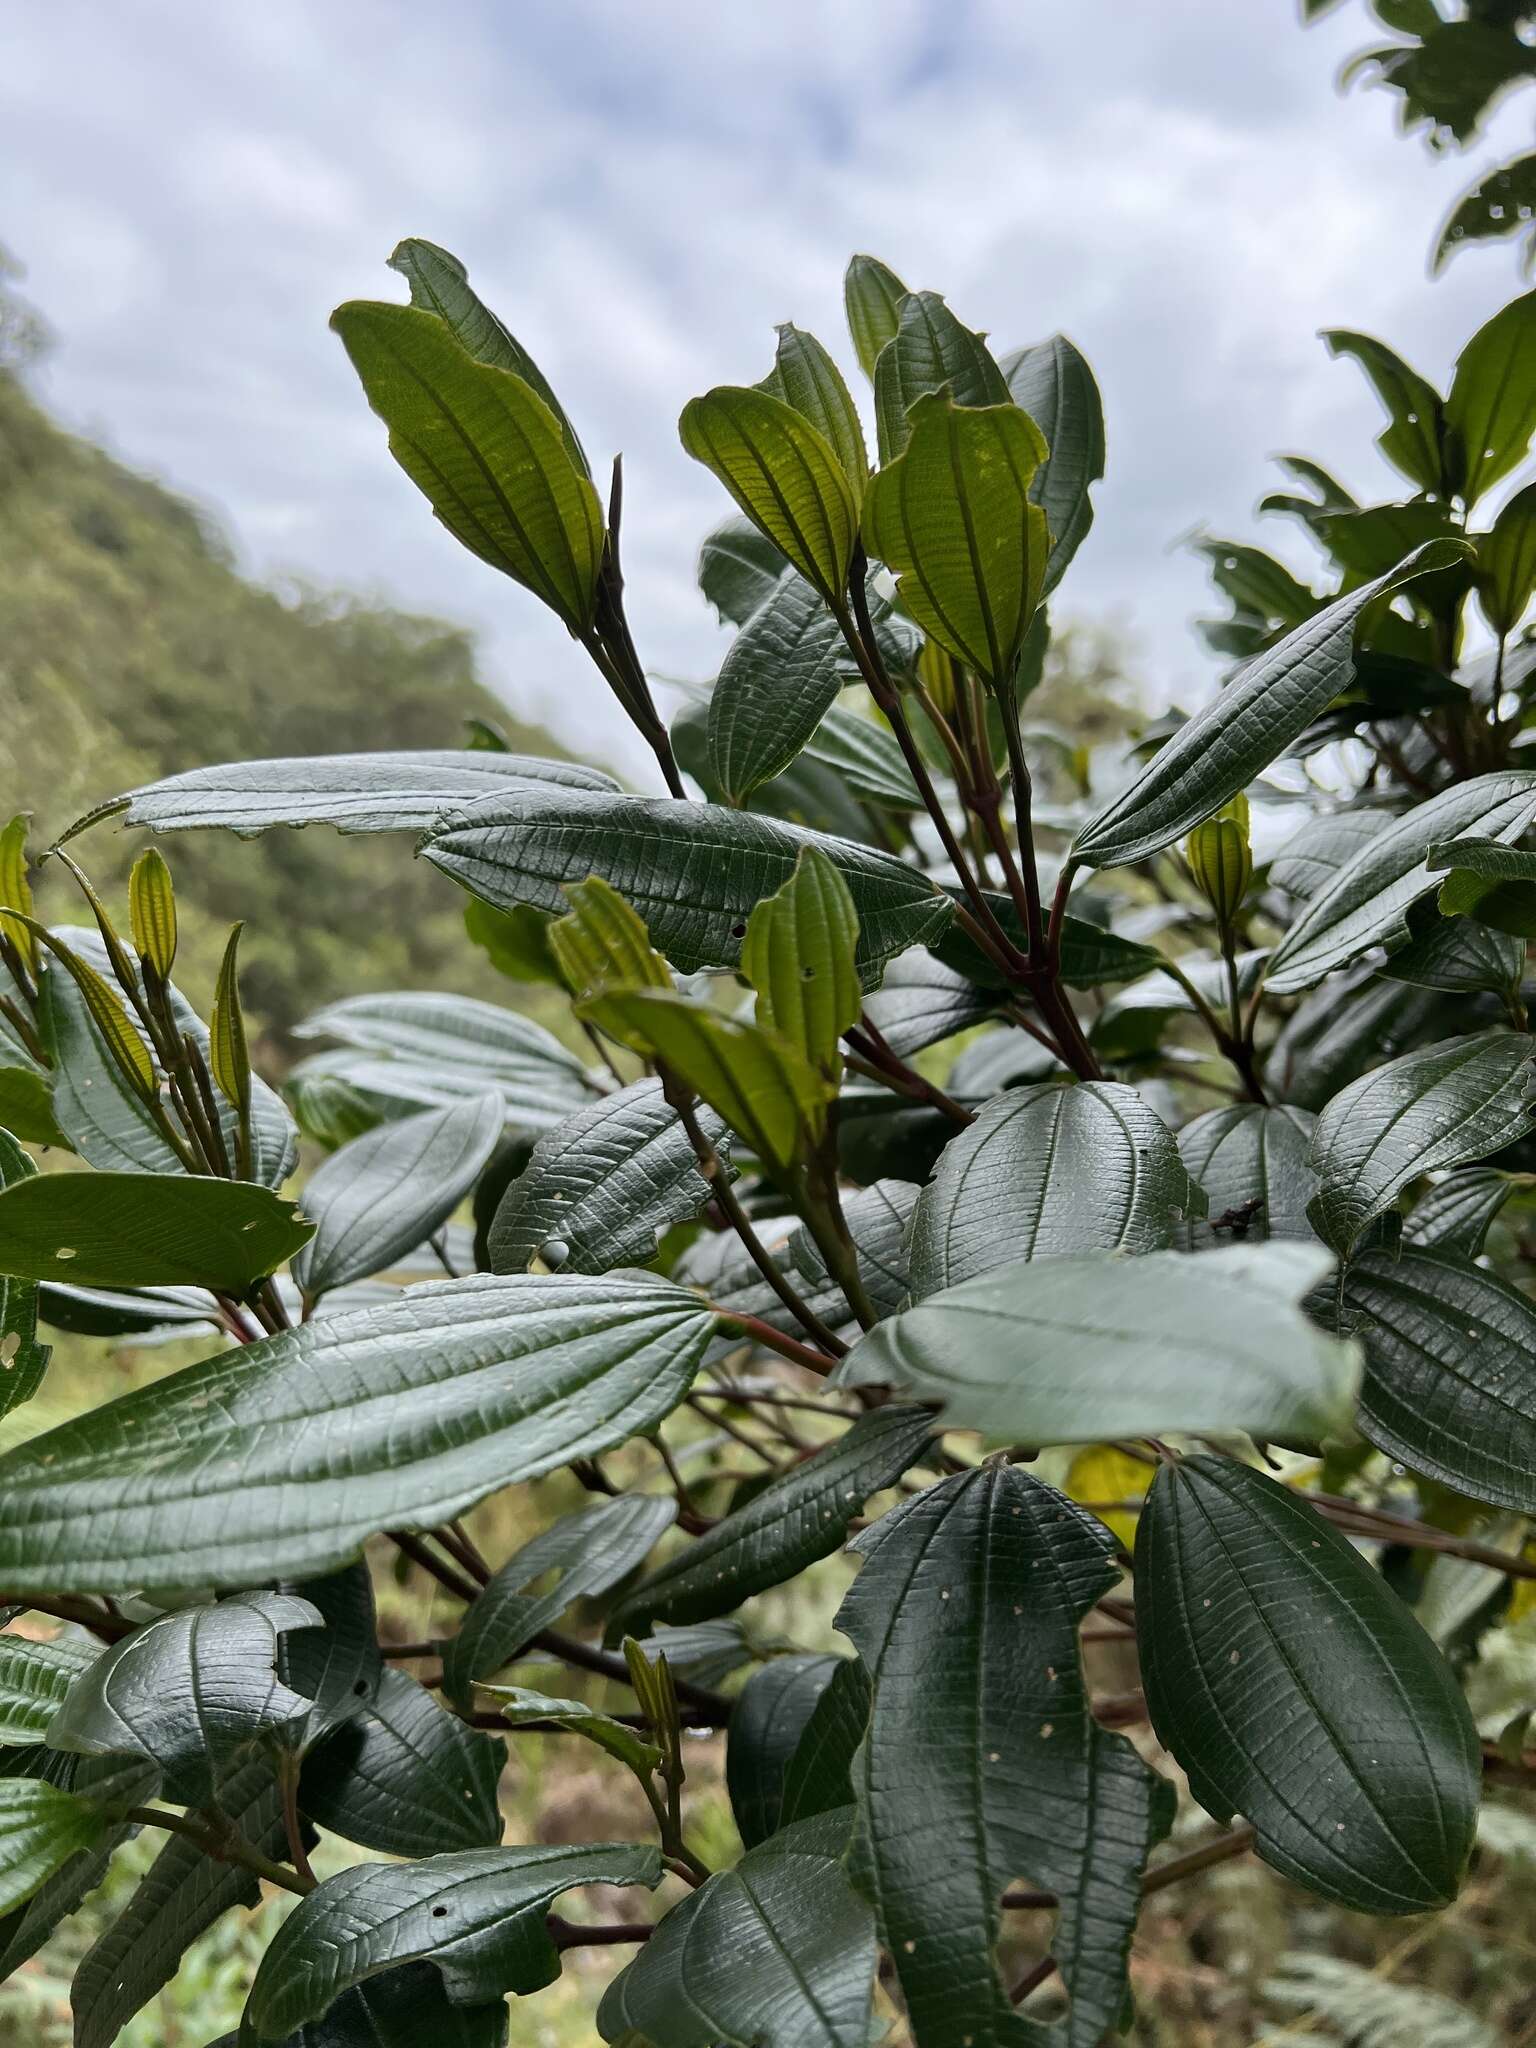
[130, 647]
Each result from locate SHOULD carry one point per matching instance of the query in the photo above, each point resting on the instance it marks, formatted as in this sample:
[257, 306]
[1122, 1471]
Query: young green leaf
[116, 1032]
[1054, 385]
[981, 1748]
[872, 296]
[953, 518]
[777, 1953]
[799, 956]
[386, 1192]
[784, 474]
[146, 1230]
[1296, 1689]
[1491, 407]
[228, 1054]
[485, 450]
[41, 1828]
[479, 1916]
[1045, 1172]
[930, 351]
[779, 679]
[152, 913]
[283, 1456]
[1446, 1103]
[518, 1706]
[16, 891]
[1414, 438]
[807, 378]
[1081, 1350]
[1221, 860]
[1232, 739]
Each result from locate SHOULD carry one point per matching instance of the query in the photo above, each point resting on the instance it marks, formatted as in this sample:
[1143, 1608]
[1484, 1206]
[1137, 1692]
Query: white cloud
[645, 191]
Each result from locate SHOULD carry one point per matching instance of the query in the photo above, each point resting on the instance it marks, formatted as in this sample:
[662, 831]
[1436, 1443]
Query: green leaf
[486, 452]
[1082, 1350]
[400, 2009]
[23, 1361]
[784, 474]
[865, 758]
[602, 1186]
[389, 1190]
[807, 378]
[777, 1953]
[1458, 956]
[519, 1706]
[183, 1893]
[872, 296]
[1456, 1214]
[1501, 202]
[1046, 1172]
[406, 1777]
[778, 681]
[739, 568]
[191, 1693]
[799, 956]
[1246, 726]
[692, 871]
[818, 1777]
[929, 351]
[981, 1750]
[1506, 562]
[1256, 584]
[337, 1666]
[764, 1088]
[922, 1001]
[1052, 383]
[1491, 406]
[1440, 1106]
[26, 1108]
[1296, 1689]
[478, 1916]
[152, 912]
[953, 518]
[284, 1456]
[145, 1230]
[1366, 541]
[34, 1678]
[41, 1827]
[589, 1551]
[1450, 1371]
[770, 1716]
[354, 792]
[796, 1519]
[16, 890]
[1252, 1163]
[516, 942]
[1366, 903]
[440, 284]
[1414, 438]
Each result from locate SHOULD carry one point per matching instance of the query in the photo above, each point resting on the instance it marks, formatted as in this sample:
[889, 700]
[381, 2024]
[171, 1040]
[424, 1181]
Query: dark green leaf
[23, 1361]
[1296, 1689]
[1500, 203]
[1248, 1155]
[400, 2009]
[388, 1191]
[1459, 956]
[1081, 1350]
[818, 1777]
[1314, 854]
[406, 1777]
[1245, 727]
[739, 568]
[921, 1001]
[478, 1916]
[590, 1551]
[1445, 1104]
[34, 1678]
[1456, 1214]
[1491, 406]
[1413, 441]
[693, 871]
[872, 296]
[929, 350]
[1257, 585]
[1506, 562]
[1091, 957]
[338, 1665]
[798, 1518]
[1054, 385]
[1046, 1172]
[778, 681]
[865, 758]
[485, 451]
[770, 1716]
[284, 1456]
[602, 1186]
[145, 1230]
[981, 1751]
[777, 1953]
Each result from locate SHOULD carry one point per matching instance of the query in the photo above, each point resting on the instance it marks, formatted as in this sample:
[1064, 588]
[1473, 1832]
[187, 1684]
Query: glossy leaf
[23, 1361]
[284, 1456]
[590, 1552]
[41, 1827]
[1048, 1172]
[1451, 1101]
[34, 1679]
[486, 452]
[1080, 1350]
[770, 1716]
[872, 296]
[145, 1230]
[953, 518]
[779, 679]
[818, 1777]
[478, 1916]
[777, 1953]
[1052, 383]
[1506, 562]
[1252, 1163]
[1458, 956]
[1296, 1689]
[739, 567]
[922, 1001]
[800, 1517]
[1456, 1214]
[406, 1777]
[389, 1190]
[601, 1187]
[1491, 406]
[981, 1749]
[783, 473]
[807, 378]
[930, 350]
[1367, 901]
[799, 956]
[1450, 1379]
[1244, 727]
[1413, 440]
[400, 2009]
[692, 871]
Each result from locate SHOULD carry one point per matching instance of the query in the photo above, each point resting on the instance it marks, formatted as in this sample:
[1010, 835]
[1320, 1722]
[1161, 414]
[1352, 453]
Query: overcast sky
[644, 190]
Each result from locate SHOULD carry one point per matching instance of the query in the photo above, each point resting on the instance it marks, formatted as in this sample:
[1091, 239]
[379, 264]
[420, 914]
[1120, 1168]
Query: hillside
[130, 647]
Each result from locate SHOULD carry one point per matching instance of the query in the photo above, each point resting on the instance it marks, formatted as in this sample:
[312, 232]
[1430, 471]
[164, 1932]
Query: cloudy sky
[643, 191]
